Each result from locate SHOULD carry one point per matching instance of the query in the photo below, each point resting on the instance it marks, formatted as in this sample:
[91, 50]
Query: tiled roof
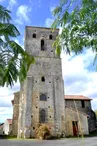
[1, 126]
[9, 121]
[77, 97]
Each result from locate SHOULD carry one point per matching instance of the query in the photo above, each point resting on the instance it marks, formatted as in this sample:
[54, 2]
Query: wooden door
[75, 128]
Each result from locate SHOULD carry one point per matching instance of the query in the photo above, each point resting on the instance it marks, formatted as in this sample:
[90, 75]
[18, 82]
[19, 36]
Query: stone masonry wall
[47, 65]
[15, 114]
[72, 115]
[76, 104]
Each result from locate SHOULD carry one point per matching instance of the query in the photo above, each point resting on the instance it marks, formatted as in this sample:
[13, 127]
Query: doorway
[75, 128]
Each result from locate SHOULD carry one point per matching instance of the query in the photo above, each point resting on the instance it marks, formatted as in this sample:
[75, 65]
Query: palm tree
[14, 61]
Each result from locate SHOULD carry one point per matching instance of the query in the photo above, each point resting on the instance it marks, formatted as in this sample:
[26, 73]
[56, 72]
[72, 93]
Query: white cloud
[6, 95]
[49, 22]
[94, 103]
[77, 78]
[6, 108]
[52, 8]
[5, 113]
[23, 14]
[11, 4]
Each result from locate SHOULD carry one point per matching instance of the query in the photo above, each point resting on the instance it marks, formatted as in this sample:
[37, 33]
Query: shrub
[42, 132]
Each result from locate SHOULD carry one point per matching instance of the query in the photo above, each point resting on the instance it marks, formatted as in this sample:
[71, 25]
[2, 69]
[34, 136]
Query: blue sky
[79, 73]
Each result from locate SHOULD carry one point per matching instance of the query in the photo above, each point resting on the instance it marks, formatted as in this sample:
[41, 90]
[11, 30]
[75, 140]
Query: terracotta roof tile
[9, 121]
[1, 126]
[77, 97]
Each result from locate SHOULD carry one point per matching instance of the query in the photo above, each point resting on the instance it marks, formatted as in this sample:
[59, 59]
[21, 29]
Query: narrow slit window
[83, 103]
[50, 37]
[33, 128]
[42, 45]
[43, 79]
[34, 35]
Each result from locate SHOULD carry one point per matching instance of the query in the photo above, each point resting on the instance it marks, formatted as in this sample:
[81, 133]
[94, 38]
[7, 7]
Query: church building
[42, 93]
[41, 97]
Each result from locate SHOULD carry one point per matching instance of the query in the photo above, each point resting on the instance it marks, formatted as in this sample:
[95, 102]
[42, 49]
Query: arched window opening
[42, 116]
[43, 97]
[50, 37]
[43, 79]
[34, 35]
[42, 45]
[33, 128]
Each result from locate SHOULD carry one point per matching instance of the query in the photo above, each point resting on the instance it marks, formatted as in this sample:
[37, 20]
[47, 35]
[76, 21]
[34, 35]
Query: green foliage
[42, 132]
[78, 20]
[96, 114]
[14, 61]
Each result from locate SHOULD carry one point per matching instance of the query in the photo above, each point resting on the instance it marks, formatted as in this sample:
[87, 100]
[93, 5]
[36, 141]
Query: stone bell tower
[42, 93]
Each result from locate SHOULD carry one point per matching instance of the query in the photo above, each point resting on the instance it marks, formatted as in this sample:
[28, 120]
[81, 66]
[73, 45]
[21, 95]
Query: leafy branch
[78, 20]
[14, 61]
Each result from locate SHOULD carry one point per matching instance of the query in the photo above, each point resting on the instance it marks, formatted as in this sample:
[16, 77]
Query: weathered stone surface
[47, 65]
[80, 118]
[27, 103]
[15, 113]
[76, 104]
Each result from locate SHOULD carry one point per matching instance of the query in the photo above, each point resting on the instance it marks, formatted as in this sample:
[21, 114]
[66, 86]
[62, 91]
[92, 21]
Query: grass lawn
[92, 134]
